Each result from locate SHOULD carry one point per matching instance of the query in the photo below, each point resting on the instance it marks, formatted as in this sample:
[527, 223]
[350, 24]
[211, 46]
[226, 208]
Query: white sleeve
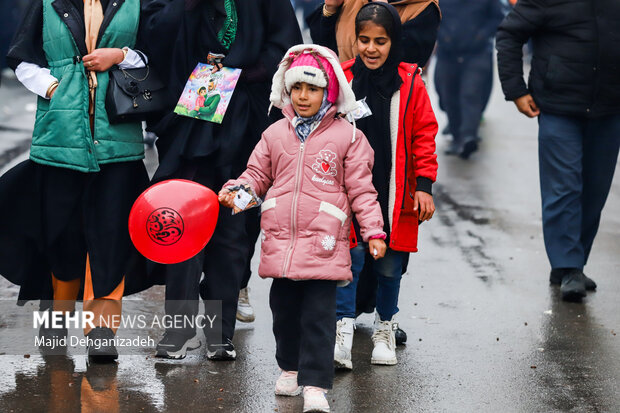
[133, 60]
[35, 78]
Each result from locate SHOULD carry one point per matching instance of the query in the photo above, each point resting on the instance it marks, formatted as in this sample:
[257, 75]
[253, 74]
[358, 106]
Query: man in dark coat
[464, 71]
[253, 35]
[574, 90]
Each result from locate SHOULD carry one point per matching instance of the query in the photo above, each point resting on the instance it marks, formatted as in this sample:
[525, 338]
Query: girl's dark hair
[202, 88]
[376, 14]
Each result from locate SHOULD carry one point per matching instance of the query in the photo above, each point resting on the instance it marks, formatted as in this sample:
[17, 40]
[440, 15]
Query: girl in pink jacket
[316, 170]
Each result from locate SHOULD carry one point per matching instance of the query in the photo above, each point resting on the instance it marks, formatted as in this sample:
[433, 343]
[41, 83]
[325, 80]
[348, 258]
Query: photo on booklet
[206, 95]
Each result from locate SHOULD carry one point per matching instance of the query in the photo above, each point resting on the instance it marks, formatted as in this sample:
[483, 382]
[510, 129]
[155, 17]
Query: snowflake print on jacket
[328, 242]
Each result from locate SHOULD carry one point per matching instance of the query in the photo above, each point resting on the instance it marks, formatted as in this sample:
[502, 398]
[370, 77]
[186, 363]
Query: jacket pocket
[327, 228]
[269, 219]
[404, 237]
[565, 75]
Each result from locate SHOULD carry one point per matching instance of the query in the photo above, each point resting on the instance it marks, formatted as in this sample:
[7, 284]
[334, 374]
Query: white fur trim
[307, 74]
[268, 204]
[354, 125]
[334, 211]
[346, 101]
[394, 112]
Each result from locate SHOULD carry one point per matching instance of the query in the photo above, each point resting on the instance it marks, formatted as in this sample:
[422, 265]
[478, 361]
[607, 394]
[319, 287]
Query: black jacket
[576, 61]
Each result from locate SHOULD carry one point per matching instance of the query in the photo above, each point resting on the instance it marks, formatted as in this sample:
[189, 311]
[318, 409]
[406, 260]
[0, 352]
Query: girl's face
[202, 92]
[373, 45]
[306, 98]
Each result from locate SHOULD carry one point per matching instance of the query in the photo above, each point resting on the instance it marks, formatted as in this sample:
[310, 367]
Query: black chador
[253, 35]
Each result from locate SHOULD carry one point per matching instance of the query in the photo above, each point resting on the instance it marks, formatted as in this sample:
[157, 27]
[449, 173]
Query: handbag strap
[127, 74]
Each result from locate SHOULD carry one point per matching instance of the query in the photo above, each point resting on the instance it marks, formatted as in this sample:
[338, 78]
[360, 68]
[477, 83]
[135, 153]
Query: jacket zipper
[405, 188]
[289, 253]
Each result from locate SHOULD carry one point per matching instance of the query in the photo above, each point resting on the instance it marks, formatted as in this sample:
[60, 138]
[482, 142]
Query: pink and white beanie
[312, 68]
[316, 65]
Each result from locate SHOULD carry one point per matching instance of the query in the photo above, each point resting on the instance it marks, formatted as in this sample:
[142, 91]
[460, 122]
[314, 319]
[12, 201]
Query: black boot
[555, 278]
[573, 286]
[53, 340]
[453, 148]
[101, 348]
[468, 146]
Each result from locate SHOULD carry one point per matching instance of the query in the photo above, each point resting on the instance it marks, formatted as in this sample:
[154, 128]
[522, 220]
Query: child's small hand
[226, 198]
[423, 203]
[217, 67]
[377, 245]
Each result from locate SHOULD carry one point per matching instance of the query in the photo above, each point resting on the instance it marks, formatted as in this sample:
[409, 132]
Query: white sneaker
[344, 342]
[286, 385]
[315, 400]
[383, 338]
[245, 312]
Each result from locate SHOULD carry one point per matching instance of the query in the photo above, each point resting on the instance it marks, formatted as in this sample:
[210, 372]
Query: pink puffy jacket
[313, 187]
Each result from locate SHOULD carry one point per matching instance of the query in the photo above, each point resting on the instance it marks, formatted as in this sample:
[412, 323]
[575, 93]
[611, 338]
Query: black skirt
[53, 217]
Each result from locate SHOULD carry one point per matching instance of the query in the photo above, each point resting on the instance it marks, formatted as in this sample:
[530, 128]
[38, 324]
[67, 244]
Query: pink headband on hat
[310, 67]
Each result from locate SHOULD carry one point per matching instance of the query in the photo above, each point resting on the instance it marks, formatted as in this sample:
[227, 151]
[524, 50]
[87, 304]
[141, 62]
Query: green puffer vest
[62, 136]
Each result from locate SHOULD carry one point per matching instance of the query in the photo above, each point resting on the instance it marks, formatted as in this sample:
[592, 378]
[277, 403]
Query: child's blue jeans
[388, 271]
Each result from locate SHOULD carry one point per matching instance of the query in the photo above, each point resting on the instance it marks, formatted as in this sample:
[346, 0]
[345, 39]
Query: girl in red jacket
[401, 130]
[317, 169]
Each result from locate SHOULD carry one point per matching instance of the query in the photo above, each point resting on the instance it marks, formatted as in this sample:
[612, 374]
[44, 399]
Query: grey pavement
[486, 333]
[17, 109]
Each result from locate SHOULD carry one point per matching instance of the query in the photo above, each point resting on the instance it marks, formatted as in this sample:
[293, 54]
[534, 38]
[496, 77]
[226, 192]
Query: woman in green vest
[69, 203]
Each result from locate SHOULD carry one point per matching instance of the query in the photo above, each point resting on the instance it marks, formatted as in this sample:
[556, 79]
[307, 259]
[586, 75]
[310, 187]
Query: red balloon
[173, 220]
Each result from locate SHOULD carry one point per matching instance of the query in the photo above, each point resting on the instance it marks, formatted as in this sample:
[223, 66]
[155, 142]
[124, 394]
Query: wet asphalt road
[486, 331]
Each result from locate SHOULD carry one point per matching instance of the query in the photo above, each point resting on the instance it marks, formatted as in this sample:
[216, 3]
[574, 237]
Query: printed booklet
[206, 95]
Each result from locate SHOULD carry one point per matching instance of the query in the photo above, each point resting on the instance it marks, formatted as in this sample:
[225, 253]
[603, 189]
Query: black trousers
[304, 325]
[223, 262]
[464, 85]
[252, 227]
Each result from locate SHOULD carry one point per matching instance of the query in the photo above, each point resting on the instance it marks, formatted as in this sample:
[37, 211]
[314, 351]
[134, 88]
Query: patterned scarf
[223, 15]
[228, 32]
[305, 126]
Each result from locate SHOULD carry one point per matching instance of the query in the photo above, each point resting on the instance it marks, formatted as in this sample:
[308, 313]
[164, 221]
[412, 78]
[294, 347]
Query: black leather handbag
[133, 95]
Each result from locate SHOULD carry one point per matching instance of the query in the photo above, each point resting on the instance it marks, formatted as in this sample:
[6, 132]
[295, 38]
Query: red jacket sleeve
[424, 131]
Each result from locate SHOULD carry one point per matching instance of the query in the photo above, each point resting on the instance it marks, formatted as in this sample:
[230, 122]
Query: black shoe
[100, 345]
[221, 352]
[174, 344]
[555, 278]
[53, 340]
[468, 146]
[573, 286]
[453, 148]
[399, 335]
